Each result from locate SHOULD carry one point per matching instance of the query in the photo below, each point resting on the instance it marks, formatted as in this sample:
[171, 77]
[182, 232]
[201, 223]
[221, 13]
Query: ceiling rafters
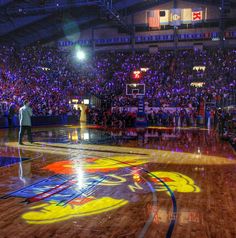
[48, 7]
[5, 2]
[18, 23]
[36, 18]
[51, 30]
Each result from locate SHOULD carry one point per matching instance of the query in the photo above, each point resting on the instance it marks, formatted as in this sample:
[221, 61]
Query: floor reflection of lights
[120, 203]
[155, 156]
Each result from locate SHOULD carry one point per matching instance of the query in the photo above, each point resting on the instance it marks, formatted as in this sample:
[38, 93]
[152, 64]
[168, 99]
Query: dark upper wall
[106, 31]
[212, 11]
[46, 23]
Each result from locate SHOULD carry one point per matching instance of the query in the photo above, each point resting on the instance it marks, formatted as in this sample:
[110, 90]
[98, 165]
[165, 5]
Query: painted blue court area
[7, 161]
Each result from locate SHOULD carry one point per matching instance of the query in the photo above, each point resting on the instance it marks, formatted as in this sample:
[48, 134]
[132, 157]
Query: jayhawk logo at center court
[92, 186]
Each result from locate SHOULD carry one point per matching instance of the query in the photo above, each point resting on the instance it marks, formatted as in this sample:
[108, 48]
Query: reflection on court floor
[85, 187]
[132, 191]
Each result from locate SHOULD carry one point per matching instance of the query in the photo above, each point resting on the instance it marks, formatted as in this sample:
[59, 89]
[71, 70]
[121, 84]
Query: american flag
[153, 18]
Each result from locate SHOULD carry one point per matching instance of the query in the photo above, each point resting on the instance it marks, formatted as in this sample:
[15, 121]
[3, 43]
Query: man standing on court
[25, 114]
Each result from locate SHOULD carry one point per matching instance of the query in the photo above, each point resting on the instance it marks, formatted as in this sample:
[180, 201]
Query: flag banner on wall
[164, 17]
[186, 16]
[197, 15]
[175, 17]
[153, 18]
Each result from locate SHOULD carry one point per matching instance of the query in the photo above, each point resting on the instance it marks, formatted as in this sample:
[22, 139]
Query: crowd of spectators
[111, 118]
[49, 78]
[221, 121]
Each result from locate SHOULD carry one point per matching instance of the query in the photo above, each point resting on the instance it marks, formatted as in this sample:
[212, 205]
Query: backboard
[135, 89]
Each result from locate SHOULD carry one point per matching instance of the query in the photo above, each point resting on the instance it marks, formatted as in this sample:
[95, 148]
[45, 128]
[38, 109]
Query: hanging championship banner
[197, 15]
[164, 17]
[186, 15]
[175, 17]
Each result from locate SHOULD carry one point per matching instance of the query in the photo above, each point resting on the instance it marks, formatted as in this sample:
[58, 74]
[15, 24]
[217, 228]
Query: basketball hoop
[135, 89]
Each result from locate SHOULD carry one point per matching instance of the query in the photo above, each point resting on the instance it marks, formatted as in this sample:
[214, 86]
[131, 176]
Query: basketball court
[80, 181]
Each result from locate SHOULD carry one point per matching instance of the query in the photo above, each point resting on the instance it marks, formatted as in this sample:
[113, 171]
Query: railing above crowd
[151, 38]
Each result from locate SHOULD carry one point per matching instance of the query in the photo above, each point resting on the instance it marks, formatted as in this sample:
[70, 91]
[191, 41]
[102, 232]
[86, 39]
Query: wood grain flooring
[78, 181]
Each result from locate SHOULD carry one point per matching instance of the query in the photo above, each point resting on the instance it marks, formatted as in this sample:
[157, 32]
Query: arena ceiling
[30, 21]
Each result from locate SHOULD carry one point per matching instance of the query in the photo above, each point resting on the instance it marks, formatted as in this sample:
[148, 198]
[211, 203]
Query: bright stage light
[80, 55]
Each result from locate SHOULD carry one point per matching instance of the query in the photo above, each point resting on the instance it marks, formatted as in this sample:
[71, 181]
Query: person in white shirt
[25, 114]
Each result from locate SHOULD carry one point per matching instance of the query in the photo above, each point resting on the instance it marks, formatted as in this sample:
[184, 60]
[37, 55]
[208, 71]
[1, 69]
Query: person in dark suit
[221, 121]
[10, 116]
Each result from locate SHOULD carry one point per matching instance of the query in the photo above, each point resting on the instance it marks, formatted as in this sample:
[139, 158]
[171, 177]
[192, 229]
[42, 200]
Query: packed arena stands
[168, 81]
[49, 78]
[118, 118]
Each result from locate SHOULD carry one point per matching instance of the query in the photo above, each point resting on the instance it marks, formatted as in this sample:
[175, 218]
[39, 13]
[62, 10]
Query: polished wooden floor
[78, 181]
